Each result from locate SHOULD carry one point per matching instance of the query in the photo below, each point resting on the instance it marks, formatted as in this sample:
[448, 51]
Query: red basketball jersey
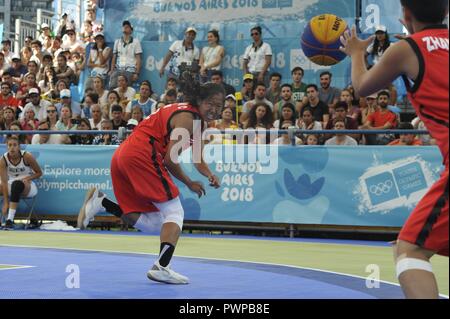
[157, 126]
[430, 93]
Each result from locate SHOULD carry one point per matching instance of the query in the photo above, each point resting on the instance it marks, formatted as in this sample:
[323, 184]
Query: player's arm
[4, 182]
[182, 127]
[31, 161]
[203, 169]
[398, 59]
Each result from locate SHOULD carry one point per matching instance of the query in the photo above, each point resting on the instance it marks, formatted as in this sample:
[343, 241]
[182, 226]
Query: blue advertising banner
[379, 186]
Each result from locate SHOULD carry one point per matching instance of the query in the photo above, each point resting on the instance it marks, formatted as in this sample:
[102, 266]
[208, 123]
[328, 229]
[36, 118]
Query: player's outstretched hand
[351, 44]
[197, 187]
[214, 181]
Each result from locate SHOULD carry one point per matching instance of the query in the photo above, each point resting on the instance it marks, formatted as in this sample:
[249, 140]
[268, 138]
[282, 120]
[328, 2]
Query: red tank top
[155, 129]
[429, 95]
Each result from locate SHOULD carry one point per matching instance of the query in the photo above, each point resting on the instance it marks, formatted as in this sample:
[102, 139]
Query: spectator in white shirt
[180, 52]
[127, 57]
[125, 91]
[258, 57]
[38, 105]
[341, 139]
[211, 56]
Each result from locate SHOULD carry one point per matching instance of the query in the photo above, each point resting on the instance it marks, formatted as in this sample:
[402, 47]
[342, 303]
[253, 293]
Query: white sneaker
[166, 275]
[92, 205]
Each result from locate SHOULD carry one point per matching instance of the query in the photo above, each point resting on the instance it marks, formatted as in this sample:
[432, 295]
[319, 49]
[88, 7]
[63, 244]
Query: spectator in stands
[127, 57]
[341, 112]
[145, 102]
[63, 71]
[99, 88]
[171, 84]
[273, 94]
[426, 139]
[308, 122]
[319, 108]
[29, 122]
[38, 54]
[260, 116]
[47, 61]
[38, 105]
[79, 64]
[71, 43]
[25, 54]
[381, 119]
[328, 94]
[87, 32]
[286, 98]
[170, 97]
[48, 84]
[27, 41]
[258, 57]
[60, 86]
[288, 116]
[96, 117]
[211, 56]
[247, 90]
[33, 67]
[312, 139]
[29, 82]
[61, 29]
[45, 138]
[126, 92]
[99, 58]
[406, 139]
[117, 117]
[7, 99]
[90, 99]
[55, 48]
[17, 69]
[9, 116]
[106, 139]
[181, 52]
[380, 44]
[284, 137]
[52, 117]
[370, 107]
[341, 139]
[226, 121]
[7, 78]
[113, 98]
[66, 122]
[137, 113]
[353, 110]
[298, 88]
[260, 97]
[217, 78]
[80, 139]
[66, 100]
[6, 50]
[45, 32]
[18, 169]
[3, 65]
[15, 126]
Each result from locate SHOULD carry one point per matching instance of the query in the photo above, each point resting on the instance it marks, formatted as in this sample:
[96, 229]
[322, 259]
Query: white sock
[11, 214]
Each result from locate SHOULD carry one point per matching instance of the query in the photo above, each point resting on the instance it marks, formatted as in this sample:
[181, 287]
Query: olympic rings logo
[381, 188]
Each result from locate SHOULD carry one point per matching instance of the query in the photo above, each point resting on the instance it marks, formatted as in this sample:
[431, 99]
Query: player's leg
[424, 234]
[17, 188]
[414, 271]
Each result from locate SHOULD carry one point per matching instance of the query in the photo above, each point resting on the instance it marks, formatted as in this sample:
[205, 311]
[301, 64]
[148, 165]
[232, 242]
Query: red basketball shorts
[140, 178]
[427, 226]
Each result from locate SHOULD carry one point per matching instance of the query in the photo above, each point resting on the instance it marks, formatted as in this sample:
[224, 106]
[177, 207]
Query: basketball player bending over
[422, 60]
[147, 197]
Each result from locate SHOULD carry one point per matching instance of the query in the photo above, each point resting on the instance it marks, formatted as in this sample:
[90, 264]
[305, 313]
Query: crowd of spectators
[36, 89]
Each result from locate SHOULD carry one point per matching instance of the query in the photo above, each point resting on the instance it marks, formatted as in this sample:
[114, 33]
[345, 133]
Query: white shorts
[33, 189]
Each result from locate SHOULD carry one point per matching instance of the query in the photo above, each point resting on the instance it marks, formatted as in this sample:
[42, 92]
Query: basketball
[320, 40]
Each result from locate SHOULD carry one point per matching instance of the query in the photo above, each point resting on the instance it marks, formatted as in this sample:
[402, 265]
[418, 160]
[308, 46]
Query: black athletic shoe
[9, 225]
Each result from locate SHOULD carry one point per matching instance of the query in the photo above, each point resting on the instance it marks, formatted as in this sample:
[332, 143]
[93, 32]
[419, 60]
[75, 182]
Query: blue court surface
[104, 275]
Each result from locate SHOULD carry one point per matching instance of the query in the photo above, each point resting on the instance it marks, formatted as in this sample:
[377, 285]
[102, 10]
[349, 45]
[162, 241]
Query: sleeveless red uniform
[427, 225]
[138, 173]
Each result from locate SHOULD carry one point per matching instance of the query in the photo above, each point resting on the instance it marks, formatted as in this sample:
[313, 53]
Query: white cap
[15, 57]
[231, 96]
[191, 29]
[381, 28]
[132, 122]
[64, 93]
[44, 25]
[33, 91]
[96, 34]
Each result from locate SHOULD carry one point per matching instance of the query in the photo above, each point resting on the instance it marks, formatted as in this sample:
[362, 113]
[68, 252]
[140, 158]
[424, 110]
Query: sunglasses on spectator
[255, 33]
[51, 111]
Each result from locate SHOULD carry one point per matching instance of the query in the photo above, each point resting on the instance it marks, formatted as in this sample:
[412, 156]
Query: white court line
[12, 267]
[208, 258]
